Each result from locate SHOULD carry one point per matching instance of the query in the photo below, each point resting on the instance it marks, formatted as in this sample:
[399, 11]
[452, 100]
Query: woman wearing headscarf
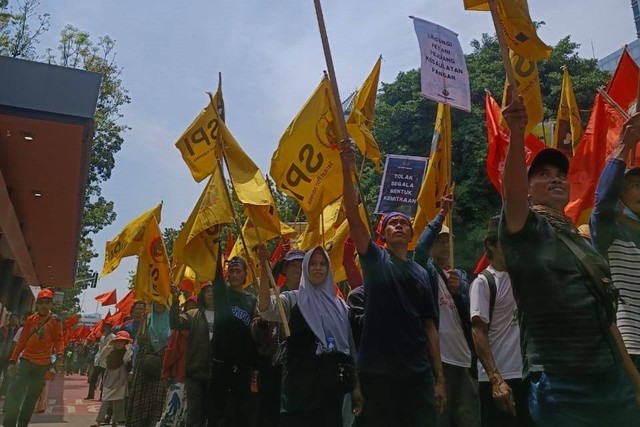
[148, 390]
[318, 366]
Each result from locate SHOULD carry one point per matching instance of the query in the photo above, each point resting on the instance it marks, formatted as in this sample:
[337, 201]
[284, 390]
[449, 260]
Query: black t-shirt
[232, 340]
[397, 300]
[562, 323]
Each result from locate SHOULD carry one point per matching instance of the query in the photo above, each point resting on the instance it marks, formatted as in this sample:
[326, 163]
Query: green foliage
[20, 29]
[404, 125]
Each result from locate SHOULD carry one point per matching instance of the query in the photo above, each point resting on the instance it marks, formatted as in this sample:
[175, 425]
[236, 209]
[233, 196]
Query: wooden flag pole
[343, 134]
[504, 50]
[272, 281]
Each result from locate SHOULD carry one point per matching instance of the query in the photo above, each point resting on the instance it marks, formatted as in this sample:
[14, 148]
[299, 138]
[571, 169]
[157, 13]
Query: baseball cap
[45, 294]
[123, 336]
[549, 156]
[295, 254]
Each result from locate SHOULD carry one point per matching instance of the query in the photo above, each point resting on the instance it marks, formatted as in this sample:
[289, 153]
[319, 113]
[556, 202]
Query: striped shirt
[624, 259]
[620, 244]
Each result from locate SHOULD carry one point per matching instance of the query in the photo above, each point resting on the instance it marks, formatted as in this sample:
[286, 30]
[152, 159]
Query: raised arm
[177, 321]
[610, 186]
[264, 295]
[358, 229]
[515, 185]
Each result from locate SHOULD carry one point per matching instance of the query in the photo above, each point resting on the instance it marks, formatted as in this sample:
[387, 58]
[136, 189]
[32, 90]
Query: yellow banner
[129, 241]
[250, 186]
[328, 222]
[198, 143]
[335, 245]
[360, 121]
[517, 27]
[197, 243]
[526, 74]
[153, 277]
[307, 164]
[438, 174]
[568, 129]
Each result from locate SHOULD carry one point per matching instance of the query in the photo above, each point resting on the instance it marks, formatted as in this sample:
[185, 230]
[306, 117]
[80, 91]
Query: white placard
[443, 70]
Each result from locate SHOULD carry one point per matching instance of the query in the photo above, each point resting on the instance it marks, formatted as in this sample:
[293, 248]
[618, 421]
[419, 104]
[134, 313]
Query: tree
[404, 125]
[20, 30]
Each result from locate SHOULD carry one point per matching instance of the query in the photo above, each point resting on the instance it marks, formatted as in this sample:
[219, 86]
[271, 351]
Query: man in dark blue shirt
[399, 355]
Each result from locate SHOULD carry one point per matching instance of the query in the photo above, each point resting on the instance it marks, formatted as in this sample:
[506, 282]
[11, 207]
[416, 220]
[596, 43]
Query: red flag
[71, 321]
[126, 304]
[280, 251]
[599, 139]
[108, 298]
[498, 139]
[483, 263]
[117, 319]
[84, 331]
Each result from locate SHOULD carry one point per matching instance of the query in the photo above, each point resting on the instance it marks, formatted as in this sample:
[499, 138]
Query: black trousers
[398, 401]
[23, 394]
[230, 390]
[492, 416]
[329, 415]
[199, 402]
[96, 374]
[4, 363]
[269, 385]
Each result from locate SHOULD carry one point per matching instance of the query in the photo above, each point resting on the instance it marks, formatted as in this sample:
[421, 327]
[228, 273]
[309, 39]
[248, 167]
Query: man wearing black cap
[496, 335]
[399, 355]
[615, 231]
[575, 362]
[234, 350]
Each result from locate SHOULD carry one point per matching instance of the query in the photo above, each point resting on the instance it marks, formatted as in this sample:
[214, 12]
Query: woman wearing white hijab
[318, 366]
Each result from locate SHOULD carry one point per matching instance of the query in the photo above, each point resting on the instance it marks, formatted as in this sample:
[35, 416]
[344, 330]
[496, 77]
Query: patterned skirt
[146, 397]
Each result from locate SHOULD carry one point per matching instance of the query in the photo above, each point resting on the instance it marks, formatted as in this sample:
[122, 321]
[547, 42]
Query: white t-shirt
[210, 315]
[504, 332]
[454, 349]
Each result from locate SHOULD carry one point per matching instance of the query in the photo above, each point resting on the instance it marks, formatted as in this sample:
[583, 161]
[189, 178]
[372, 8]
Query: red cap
[123, 336]
[45, 293]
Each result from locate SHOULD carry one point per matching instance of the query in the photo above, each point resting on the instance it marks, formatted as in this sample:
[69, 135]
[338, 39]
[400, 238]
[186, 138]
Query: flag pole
[276, 291]
[343, 135]
[504, 50]
[633, 150]
[272, 280]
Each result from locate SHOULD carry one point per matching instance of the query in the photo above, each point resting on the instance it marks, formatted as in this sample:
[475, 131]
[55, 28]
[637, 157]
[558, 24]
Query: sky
[271, 58]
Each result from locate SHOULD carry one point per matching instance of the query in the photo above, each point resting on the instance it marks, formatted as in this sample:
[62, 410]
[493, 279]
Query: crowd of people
[547, 335]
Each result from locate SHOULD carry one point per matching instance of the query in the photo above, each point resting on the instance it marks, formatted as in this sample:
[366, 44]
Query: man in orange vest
[41, 337]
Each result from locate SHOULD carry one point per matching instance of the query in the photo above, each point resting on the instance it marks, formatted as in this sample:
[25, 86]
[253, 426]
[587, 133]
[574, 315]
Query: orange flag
[107, 298]
[599, 139]
[498, 139]
[125, 304]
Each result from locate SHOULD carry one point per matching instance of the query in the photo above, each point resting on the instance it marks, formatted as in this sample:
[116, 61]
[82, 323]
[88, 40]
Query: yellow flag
[476, 5]
[335, 245]
[568, 128]
[250, 186]
[153, 277]
[328, 222]
[182, 274]
[517, 27]
[307, 164]
[198, 143]
[438, 174]
[526, 74]
[129, 241]
[360, 121]
[197, 244]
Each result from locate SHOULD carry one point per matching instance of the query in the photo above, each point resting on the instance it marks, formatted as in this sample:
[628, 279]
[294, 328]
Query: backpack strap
[493, 290]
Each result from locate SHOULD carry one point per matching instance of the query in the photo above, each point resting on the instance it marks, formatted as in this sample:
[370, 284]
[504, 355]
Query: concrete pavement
[67, 406]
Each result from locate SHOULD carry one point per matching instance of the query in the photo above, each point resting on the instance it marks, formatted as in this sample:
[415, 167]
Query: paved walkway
[67, 406]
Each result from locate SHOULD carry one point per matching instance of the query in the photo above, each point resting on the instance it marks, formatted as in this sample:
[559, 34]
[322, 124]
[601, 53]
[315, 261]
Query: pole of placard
[343, 135]
[272, 281]
[504, 50]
